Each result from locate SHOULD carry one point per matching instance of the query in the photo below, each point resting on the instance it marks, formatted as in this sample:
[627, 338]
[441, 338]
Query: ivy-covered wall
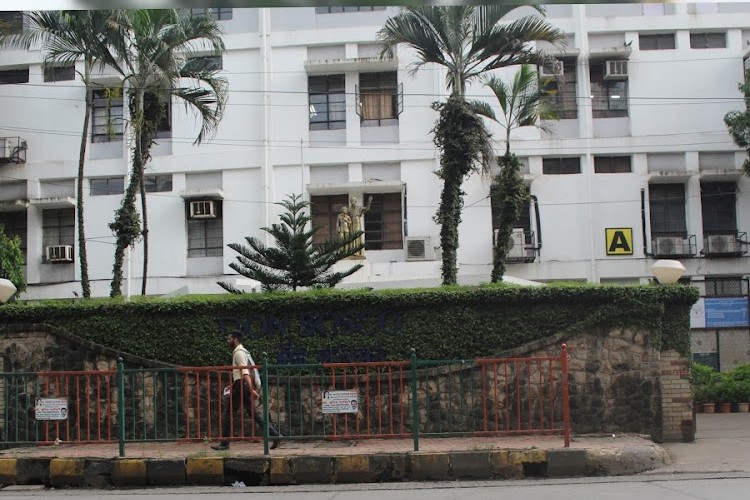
[330, 325]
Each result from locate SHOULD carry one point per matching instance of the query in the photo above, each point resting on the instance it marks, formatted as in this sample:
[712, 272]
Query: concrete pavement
[721, 446]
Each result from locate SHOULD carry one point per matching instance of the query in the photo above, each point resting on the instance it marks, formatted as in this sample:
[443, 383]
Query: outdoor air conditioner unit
[722, 243]
[747, 64]
[419, 248]
[517, 243]
[59, 253]
[616, 70]
[204, 209]
[668, 245]
[553, 70]
[6, 149]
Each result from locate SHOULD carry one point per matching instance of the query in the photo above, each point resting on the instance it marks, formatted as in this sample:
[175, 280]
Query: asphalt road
[668, 487]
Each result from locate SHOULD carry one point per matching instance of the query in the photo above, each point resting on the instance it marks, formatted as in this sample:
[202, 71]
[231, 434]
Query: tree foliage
[509, 194]
[295, 262]
[11, 261]
[738, 123]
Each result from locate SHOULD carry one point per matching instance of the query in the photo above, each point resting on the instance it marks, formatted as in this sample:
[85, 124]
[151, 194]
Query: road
[667, 487]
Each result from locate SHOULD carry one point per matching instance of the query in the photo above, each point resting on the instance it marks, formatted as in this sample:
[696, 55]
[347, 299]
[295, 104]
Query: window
[724, 287]
[383, 222]
[11, 76]
[719, 202]
[561, 95]
[11, 21]
[612, 165]
[59, 73]
[58, 227]
[656, 42]
[158, 108]
[107, 121]
[158, 183]
[561, 166]
[335, 10]
[667, 204]
[206, 236]
[609, 97]
[325, 210]
[104, 187]
[202, 64]
[15, 225]
[708, 40]
[327, 102]
[218, 14]
[378, 99]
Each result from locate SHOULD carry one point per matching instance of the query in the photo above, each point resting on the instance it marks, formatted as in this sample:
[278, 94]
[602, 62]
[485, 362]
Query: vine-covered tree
[738, 123]
[295, 262]
[11, 261]
[467, 41]
[523, 104]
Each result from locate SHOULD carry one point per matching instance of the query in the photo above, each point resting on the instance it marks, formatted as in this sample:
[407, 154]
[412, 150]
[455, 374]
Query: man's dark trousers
[241, 397]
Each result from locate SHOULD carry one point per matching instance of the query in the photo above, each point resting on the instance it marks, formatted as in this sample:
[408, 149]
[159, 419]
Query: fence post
[565, 401]
[414, 402]
[121, 405]
[264, 396]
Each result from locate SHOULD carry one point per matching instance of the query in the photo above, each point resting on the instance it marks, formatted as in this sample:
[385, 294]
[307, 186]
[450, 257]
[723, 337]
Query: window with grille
[58, 227]
[667, 207]
[561, 166]
[327, 102]
[109, 186]
[719, 207]
[612, 165]
[59, 73]
[725, 287]
[708, 40]
[560, 93]
[383, 222]
[609, 97]
[14, 224]
[157, 183]
[339, 9]
[205, 236]
[12, 76]
[378, 99]
[218, 14]
[107, 119]
[661, 41]
[11, 22]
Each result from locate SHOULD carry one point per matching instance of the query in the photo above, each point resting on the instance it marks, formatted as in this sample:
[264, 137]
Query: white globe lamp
[7, 289]
[667, 271]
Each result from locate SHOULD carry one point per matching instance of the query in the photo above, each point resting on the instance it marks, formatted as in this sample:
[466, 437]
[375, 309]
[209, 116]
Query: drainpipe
[643, 222]
[535, 201]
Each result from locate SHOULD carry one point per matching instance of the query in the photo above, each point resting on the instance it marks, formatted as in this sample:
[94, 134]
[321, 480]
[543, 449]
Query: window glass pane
[667, 207]
[59, 73]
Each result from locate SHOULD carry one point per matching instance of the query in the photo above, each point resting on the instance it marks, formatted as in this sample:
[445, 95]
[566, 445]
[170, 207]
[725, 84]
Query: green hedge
[441, 323]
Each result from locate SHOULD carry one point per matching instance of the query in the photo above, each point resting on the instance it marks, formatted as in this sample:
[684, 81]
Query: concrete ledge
[471, 465]
[8, 474]
[204, 471]
[502, 468]
[32, 471]
[280, 471]
[631, 460]
[97, 473]
[429, 467]
[352, 469]
[129, 472]
[386, 468]
[566, 463]
[251, 471]
[165, 472]
[66, 471]
[309, 470]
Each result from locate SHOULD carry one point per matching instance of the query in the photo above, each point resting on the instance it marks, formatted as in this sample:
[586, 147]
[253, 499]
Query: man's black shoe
[220, 447]
[275, 443]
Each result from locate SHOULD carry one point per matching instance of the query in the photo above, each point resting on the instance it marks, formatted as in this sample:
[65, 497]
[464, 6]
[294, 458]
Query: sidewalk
[721, 446]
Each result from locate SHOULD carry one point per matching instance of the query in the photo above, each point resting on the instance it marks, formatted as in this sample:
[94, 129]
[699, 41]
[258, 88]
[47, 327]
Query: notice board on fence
[340, 401]
[51, 409]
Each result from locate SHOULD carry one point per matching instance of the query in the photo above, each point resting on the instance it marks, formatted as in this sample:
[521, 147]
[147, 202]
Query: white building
[642, 152]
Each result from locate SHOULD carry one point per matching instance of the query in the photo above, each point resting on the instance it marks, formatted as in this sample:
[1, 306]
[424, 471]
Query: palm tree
[155, 49]
[468, 41]
[523, 104]
[65, 37]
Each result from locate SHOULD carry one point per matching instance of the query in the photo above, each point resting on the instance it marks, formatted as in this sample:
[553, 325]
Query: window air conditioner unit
[668, 245]
[204, 209]
[59, 253]
[555, 69]
[419, 248]
[517, 244]
[722, 243]
[616, 70]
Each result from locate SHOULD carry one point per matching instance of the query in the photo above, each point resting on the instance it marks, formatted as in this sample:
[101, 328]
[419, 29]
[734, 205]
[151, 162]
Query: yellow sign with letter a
[619, 240]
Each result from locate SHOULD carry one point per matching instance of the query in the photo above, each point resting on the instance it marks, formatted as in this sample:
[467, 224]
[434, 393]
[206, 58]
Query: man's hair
[236, 335]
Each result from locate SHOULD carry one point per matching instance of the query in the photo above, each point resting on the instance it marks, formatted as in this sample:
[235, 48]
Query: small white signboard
[51, 409]
[340, 402]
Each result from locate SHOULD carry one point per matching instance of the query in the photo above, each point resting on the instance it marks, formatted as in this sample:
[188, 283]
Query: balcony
[12, 150]
[673, 246]
[725, 245]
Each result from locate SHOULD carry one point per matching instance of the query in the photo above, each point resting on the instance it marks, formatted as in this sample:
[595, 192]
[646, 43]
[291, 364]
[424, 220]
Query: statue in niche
[344, 223]
[357, 212]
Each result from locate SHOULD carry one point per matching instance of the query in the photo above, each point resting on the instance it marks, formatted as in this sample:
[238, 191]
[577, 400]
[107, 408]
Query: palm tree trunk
[450, 209]
[142, 185]
[82, 255]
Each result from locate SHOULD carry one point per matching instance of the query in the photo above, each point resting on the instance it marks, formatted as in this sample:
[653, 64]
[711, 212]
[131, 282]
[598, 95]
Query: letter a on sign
[619, 240]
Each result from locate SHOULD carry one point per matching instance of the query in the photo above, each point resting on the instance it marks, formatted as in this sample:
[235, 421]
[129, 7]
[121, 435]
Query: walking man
[243, 392]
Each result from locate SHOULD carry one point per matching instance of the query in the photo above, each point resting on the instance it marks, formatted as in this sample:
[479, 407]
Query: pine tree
[295, 261]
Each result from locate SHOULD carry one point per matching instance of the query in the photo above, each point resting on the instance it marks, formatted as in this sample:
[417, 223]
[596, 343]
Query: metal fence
[400, 399]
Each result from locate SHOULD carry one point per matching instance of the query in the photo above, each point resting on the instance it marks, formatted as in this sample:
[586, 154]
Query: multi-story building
[640, 166]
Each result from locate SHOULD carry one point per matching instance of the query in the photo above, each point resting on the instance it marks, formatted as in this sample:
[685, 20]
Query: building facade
[639, 167]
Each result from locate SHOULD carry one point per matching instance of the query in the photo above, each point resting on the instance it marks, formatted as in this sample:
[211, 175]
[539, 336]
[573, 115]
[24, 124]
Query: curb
[285, 470]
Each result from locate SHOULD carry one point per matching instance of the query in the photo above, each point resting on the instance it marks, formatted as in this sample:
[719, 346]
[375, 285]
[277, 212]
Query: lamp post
[667, 271]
